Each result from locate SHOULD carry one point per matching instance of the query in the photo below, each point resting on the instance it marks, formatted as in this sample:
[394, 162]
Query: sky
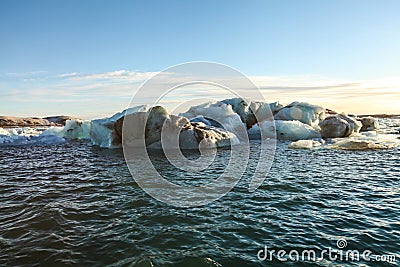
[88, 58]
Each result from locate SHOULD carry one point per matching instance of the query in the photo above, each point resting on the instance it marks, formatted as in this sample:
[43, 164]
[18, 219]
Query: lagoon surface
[76, 204]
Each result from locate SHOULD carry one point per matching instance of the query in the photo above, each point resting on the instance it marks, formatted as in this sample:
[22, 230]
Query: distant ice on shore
[28, 136]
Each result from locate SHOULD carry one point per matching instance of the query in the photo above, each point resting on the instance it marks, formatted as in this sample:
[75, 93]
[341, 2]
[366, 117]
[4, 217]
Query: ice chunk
[368, 124]
[73, 129]
[254, 132]
[303, 112]
[339, 125]
[252, 112]
[304, 144]
[163, 130]
[103, 131]
[285, 130]
[221, 113]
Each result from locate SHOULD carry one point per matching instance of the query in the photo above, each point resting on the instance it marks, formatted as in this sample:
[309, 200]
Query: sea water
[72, 203]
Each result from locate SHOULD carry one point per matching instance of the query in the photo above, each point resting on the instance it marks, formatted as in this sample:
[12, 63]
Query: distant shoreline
[381, 116]
[15, 122]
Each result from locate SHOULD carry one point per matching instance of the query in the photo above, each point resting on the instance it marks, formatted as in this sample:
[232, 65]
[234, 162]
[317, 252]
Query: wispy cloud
[66, 75]
[132, 76]
[26, 74]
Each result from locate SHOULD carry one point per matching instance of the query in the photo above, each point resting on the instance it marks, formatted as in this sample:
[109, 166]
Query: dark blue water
[73, 204]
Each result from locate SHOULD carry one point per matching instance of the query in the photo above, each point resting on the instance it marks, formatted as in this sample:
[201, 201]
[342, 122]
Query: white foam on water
[389, 125]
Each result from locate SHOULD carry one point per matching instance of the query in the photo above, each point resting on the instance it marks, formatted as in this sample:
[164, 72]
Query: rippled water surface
[73, 204]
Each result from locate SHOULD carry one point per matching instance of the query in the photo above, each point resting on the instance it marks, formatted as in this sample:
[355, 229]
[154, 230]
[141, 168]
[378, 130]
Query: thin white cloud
[66, 75]
[132, 76]
[26, 74]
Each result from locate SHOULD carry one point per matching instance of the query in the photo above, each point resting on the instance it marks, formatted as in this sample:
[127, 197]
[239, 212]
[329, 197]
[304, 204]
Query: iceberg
[216, 124]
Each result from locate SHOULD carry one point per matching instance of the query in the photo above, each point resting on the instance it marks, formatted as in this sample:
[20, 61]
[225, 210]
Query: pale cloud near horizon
[100, 94]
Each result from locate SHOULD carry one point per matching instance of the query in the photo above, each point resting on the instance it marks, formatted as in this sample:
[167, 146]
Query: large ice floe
[366, 141]
[370, 141]
[219, 124]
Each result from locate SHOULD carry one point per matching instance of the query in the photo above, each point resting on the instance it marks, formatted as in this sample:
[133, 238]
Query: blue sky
[46, 45]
